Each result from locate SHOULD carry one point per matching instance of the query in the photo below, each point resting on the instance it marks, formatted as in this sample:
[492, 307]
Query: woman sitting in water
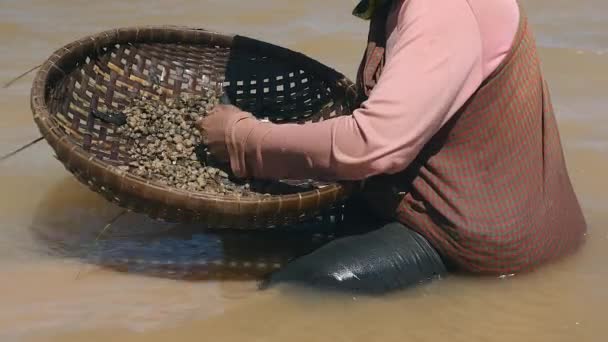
[455, 141]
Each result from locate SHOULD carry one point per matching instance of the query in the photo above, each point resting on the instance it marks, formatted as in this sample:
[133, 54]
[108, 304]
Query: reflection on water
[144, 280]
[134, 243]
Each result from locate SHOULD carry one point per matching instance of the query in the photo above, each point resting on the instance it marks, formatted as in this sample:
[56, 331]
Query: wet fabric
[390, 258]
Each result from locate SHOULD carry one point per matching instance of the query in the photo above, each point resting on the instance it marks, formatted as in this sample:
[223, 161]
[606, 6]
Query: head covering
[366, 8]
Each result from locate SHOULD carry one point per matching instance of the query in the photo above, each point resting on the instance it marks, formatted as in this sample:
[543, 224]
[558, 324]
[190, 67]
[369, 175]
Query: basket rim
[60, 142]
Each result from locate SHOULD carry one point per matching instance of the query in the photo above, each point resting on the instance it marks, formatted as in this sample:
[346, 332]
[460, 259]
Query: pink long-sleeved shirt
[438, 53]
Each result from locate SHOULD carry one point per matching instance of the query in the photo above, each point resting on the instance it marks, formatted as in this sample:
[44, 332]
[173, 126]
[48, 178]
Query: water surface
[45, 295]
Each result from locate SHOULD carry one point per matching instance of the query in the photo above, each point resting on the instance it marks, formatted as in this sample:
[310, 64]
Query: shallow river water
[47, 219]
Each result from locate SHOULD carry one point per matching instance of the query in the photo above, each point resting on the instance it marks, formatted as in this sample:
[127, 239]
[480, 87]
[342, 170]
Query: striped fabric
[491, 190]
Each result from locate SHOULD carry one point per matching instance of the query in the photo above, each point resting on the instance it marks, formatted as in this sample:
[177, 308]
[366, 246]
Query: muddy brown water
[48, 292]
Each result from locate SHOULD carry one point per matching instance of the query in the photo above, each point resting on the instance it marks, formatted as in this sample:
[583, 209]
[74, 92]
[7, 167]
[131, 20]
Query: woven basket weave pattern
[106, 71]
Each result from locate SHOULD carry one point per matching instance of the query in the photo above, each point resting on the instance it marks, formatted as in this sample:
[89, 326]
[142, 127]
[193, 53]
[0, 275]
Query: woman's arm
[433, 66]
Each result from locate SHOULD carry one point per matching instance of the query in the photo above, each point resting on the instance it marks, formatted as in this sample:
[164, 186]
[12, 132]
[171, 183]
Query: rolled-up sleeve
[433, 65]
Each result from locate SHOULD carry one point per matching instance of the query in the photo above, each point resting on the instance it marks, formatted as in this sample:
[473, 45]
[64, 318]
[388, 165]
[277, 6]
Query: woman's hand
[216, 129]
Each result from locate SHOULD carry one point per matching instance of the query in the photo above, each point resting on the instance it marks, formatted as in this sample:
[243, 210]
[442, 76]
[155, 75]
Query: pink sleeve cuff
[244, 137]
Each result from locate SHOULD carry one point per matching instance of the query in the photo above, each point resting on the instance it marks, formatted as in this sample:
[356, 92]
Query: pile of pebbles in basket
[165, 145]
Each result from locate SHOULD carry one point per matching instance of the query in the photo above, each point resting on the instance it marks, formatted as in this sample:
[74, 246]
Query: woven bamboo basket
[104, 72]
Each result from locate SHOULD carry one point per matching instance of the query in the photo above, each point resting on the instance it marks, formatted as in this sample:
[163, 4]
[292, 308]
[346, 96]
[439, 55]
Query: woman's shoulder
[494, 22]
[498, 21]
